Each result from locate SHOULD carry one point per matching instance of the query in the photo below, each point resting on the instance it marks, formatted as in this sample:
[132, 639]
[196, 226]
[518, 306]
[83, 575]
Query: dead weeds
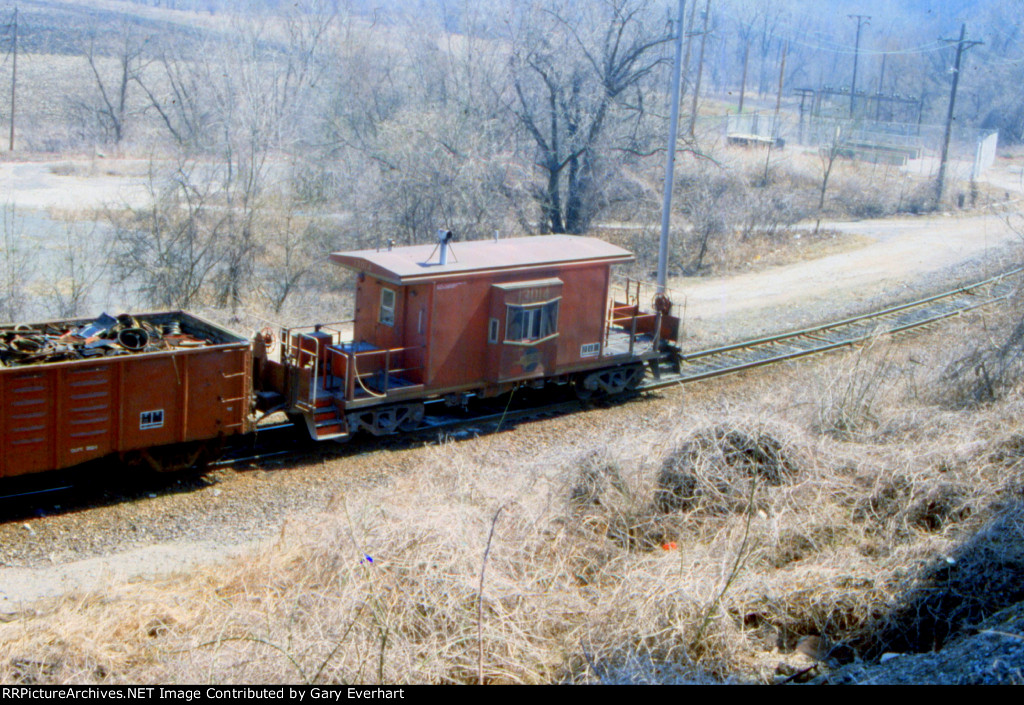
[706, 545]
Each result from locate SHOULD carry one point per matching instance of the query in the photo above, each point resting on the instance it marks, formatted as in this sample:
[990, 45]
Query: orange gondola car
[162, 405]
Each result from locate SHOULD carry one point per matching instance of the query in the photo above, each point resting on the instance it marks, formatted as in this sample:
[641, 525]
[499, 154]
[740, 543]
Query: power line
[839, 48]
[816, 39]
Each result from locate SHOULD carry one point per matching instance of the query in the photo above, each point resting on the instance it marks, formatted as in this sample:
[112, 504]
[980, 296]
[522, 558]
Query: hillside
[855, 505]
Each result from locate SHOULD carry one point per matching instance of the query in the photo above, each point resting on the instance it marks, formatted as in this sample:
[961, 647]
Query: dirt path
[74, 184]
[20, 587]
[903, 255]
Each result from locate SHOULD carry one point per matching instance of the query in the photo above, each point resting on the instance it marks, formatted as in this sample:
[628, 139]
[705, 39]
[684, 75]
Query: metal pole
[14, 76]
[960, 46]
[670, 167]
[856, 55]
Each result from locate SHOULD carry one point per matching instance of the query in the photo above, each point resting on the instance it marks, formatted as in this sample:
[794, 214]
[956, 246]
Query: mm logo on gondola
[151, 419]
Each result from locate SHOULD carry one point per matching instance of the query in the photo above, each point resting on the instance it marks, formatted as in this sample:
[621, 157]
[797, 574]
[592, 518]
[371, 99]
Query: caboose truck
[451, 321]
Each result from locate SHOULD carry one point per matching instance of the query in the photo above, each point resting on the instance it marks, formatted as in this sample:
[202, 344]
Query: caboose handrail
[354, 377]
[295, 351]
[643, 288]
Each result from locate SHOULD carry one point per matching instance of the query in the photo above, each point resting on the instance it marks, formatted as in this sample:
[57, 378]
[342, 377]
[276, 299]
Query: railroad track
[715, 362]
[693, 366]
[747, 354]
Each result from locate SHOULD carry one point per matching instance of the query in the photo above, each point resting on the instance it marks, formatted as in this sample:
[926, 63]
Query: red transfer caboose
[471, 318]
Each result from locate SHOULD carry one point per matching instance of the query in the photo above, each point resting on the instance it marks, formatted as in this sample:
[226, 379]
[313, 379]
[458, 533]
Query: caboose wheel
[581, 392]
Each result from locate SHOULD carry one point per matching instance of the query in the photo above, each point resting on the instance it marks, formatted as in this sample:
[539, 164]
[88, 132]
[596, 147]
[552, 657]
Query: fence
[914, 147]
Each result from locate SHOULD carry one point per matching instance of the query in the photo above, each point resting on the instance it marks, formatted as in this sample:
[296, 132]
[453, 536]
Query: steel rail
[35, 492]
[713, 362]
[744, 355]
[966, 289]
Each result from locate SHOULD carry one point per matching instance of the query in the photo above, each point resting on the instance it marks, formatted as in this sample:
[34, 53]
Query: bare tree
[183, 104]
[261, 114]
[17, 265]
[828, 153]
[171, 250]
[705, 199]
[416, 136]
[111, 106]
[294, 247]
[575, 70]
[80, 266]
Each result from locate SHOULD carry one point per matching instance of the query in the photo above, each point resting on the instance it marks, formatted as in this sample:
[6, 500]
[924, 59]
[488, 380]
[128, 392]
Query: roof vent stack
[443, 238]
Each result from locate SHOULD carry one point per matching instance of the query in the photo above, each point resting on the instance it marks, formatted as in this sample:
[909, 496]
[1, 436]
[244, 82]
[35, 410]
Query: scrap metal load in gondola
[159, 389]
[60, 341]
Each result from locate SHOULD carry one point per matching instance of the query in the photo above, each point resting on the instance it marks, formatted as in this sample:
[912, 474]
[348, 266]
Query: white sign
[151, 419]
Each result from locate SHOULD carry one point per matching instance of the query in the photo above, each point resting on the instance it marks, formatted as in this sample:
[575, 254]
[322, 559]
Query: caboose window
[531, 323]
[387, 307]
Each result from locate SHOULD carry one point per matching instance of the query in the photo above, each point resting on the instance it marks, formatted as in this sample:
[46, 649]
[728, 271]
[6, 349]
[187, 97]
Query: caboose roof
[420, 263]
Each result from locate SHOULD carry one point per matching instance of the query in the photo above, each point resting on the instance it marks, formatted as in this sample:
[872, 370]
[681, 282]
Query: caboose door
[417, 326]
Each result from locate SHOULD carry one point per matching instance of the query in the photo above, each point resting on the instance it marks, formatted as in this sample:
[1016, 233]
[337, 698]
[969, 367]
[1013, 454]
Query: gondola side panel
[28, 413]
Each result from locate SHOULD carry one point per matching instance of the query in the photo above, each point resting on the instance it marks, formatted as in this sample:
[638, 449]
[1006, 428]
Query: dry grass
[703, 546]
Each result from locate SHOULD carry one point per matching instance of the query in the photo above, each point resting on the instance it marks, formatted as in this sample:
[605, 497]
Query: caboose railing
[354, 358]
[301, 350]
[310, 352]
[626, 315]
[640, 292]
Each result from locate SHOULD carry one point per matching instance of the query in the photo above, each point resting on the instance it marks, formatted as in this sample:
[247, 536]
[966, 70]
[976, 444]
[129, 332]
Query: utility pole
[861, 19]
[14, 73]
[700, 67]
[743, 82]
[775, 120]
[782, 78]
[670, 167]
[881, 78]
[961, 45]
